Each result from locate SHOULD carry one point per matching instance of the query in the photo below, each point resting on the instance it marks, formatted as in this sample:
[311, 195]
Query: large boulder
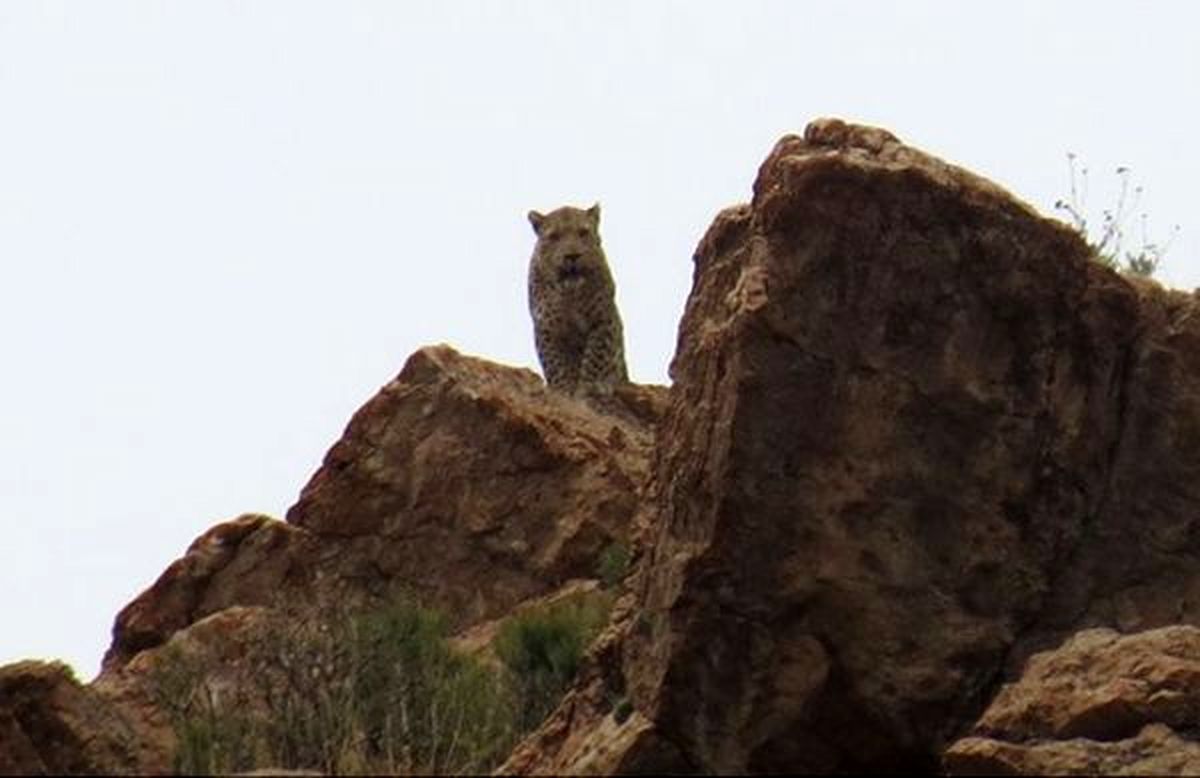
[478, 488]
[896, 411]
[916, 433]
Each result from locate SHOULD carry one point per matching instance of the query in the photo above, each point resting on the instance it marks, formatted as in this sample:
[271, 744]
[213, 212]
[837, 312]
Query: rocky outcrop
[896, 410]
[915, 434]
[518, 489]
[1102, 703]
[462, 483]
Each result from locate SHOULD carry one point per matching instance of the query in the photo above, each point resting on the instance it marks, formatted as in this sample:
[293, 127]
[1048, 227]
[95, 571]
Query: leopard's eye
[553, 235]
[583, 232]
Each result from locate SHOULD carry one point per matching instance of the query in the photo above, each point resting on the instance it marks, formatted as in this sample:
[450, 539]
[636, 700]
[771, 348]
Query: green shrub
[379, 692]
[543, 649]
[421, 706]
[613, 564]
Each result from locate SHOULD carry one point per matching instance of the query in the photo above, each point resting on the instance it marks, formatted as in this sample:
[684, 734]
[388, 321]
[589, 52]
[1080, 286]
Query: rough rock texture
[462, 482]
[896, 410]
[1155, 750]
[1101, 703]
[915, 434]
[243, 561]
[517, 487]
[50, 724]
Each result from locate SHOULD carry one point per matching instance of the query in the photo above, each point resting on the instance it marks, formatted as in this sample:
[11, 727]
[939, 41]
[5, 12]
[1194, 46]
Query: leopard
[572, 300]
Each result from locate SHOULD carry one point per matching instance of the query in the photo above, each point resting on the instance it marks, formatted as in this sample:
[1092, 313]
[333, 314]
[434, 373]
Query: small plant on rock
[1108, 238]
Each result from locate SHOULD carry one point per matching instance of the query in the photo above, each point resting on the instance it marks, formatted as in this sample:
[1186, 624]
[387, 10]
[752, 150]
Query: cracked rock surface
[462, 483]
[917, 439]
[915, 435]
[1102, 703]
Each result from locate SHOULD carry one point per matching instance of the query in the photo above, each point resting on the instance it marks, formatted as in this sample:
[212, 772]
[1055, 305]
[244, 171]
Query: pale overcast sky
[224, 225]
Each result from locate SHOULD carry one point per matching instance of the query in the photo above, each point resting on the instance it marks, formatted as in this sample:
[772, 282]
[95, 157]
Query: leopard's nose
[572, 258]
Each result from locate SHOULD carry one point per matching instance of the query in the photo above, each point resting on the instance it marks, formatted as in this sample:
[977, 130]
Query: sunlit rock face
[1102, 703]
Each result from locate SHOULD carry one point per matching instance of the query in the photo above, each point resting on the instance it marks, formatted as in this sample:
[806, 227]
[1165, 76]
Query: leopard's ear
[536, 220]
[594, 214]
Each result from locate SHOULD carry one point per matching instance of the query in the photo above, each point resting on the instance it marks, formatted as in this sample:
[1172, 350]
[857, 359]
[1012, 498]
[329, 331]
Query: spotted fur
[580, 342]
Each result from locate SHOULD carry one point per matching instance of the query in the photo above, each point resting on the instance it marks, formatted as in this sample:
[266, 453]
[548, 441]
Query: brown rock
[516, 487]
[1102, 703]
[50, 724]
[462, 482]
[1155, 750]
[915, 434]
[1138, 566]
[223, 651]
[243, 561]
[893, 417]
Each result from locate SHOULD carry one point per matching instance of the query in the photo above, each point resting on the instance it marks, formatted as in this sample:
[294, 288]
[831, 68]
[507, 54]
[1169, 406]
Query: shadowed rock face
[915, 436]
[898, 402]
[50, 724]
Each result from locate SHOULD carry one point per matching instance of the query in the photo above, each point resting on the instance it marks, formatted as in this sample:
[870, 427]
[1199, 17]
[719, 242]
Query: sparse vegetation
[613, 564]
[422, 707]
[542, 649]
[212, 737]
[1109, 239]
[379, 692]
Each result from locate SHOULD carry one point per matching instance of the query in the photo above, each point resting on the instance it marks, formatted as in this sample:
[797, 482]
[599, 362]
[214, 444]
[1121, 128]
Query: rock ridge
[924, 495]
